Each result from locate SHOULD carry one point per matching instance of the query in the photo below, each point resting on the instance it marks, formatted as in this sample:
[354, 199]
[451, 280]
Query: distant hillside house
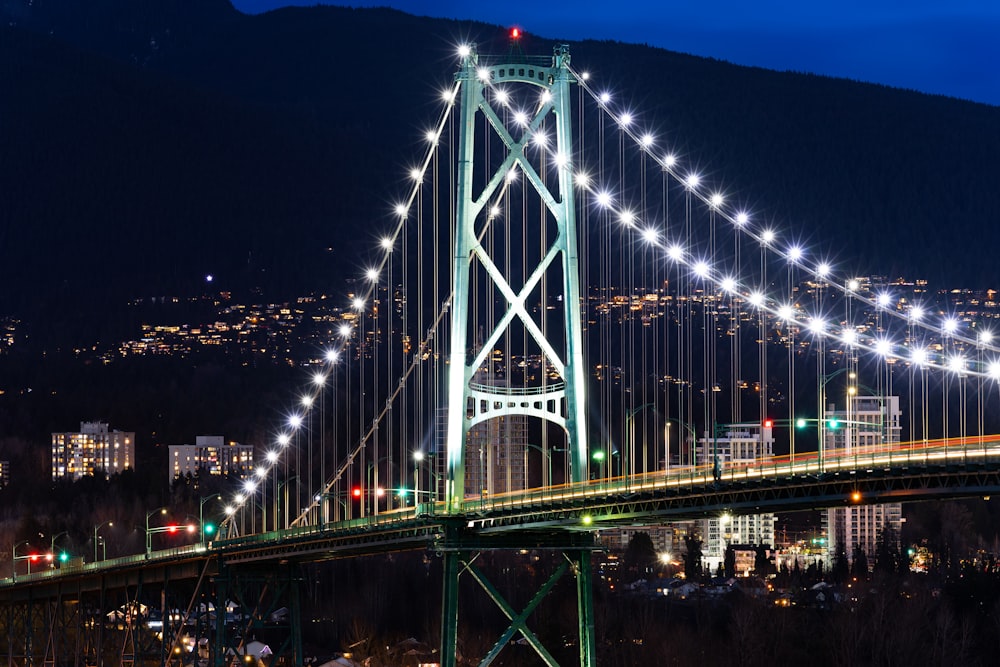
[93, 448]
[4, 473]
[212, 454]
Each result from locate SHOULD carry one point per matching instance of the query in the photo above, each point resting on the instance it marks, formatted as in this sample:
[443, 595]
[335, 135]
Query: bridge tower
[478, 282]
[558, 400]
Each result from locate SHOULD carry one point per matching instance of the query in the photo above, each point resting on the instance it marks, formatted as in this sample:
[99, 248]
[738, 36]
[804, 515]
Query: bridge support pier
[262, 596]
[460, 559]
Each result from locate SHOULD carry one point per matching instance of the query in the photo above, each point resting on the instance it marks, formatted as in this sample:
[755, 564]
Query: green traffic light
[63, 557]
[833, 423]
[800, 423]
[209, 528]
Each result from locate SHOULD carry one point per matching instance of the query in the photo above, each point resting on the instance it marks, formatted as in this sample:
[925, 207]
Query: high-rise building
[496, 450]
[742, 445]
[211, 454]
[4, 473]
[868, 423]
[93, 448]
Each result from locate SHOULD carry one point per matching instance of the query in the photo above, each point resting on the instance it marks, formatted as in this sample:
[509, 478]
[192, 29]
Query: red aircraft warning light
[515, 33]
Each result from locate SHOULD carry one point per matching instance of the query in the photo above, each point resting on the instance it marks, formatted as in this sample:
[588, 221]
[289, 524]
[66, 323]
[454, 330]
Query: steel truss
[460, 551]
[257, 596]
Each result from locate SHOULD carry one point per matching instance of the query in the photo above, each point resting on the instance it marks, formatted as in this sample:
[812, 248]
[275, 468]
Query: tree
[692, 557]
[887, 558]
[762, 565]
[859, 564]
[841, 568]
[730, 562]
[640, 558]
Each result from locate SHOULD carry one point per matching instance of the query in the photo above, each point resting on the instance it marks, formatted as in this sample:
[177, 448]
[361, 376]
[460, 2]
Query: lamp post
[630, 449]
[201, 513]
[418, 457]
[821, 426]
[52, 547]
[149, 542]
[96, 537]
[13, 560]
[686, 431]
[371, 480]
[278, 498]
[599, 457]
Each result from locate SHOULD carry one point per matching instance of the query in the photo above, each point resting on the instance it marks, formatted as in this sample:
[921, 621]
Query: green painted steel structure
[563, 402]
[468, 404]
[58, 616]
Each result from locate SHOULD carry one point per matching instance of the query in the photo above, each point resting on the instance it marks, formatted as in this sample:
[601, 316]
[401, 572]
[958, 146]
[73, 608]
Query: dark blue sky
[949, 47]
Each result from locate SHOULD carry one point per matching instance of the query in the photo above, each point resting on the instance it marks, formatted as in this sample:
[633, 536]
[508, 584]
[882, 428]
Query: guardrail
[971, 449]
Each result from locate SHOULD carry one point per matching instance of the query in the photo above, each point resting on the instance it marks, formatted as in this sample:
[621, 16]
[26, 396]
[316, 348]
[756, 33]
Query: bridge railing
[970, 450]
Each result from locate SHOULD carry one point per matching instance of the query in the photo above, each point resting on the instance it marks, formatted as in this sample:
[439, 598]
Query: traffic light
[356, 492]
[209, 528]
[63, 556]
[172, 528]
[800, 423]
[768, 423]
[833, 423]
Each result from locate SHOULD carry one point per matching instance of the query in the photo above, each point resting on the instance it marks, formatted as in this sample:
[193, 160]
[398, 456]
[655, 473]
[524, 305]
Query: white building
[93, 448]
[212, 454]
[868, 423]
[742, 445]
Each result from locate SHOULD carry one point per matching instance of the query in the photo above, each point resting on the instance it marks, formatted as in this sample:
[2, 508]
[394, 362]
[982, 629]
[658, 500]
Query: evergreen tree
[859, 565]
[762, 565]
[640, 558]
[841, 568]
[692, 557]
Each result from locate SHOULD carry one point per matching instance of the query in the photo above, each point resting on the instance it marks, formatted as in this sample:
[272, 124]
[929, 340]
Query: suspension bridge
[562, 327]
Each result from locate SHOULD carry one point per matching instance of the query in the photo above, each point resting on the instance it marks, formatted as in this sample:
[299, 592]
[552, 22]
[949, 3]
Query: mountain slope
[263, 148]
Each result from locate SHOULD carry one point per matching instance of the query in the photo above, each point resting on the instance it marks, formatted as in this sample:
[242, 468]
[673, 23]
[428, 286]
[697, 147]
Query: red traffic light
[357, 492]
[33, 557]
[172, 528]
[768, 423]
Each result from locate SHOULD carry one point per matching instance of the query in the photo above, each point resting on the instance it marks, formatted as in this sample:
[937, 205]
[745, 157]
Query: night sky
[949, 48]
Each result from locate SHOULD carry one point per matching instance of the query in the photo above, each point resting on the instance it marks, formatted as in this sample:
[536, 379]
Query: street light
[96, 537]
[52, 547]
[687, 431]
[599, 457]
[149, 542]
[418, 457]
[820, 426]
[201, 514]
[13, 560]
[630, 434]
